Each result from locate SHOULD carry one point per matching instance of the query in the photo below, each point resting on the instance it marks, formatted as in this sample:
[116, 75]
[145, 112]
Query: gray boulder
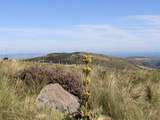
[54, 96]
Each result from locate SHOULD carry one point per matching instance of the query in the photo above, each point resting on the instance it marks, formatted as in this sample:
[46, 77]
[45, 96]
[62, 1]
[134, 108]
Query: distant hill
[151, 62]
[76, 58]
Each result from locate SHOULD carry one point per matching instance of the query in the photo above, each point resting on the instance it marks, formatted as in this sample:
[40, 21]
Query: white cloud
[82, 37]
[150, 19]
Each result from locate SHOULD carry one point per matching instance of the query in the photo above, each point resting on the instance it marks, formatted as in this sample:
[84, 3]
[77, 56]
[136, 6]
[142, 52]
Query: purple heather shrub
[39, 75]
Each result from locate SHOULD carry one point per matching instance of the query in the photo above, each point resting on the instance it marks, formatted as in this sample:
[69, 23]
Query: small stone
[41, 116]
[104, 118]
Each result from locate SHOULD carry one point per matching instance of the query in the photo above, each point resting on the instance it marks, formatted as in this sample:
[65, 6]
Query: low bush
[43, 75]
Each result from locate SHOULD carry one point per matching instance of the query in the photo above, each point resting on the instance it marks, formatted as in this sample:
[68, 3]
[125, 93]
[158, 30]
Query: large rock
[54, 96]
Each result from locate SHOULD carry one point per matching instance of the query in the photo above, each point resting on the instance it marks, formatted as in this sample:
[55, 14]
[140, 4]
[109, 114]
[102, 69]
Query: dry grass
[120, 94]
[17, 102]
[127, 95]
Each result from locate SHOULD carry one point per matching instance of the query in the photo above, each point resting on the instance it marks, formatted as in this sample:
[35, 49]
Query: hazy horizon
[114, 54]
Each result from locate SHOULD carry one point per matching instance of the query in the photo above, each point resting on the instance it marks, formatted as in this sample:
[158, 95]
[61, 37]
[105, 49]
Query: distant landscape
[115, 54]
[147, 59]
[79, 59]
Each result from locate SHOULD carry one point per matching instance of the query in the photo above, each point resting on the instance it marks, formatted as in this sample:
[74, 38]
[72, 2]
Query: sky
[30, 26]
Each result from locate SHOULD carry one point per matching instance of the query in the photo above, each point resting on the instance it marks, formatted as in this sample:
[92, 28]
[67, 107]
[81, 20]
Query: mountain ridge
[76, 58]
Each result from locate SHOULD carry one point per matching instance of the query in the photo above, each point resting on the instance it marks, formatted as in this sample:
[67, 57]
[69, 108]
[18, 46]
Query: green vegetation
[77, 58]
[150, 62]
[122, 94]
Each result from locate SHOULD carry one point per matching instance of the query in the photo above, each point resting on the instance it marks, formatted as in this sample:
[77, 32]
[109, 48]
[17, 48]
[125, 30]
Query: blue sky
[79, 25]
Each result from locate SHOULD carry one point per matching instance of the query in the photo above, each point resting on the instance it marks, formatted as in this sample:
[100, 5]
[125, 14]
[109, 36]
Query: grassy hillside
[76, 58]
[122, 95]
[151, 62]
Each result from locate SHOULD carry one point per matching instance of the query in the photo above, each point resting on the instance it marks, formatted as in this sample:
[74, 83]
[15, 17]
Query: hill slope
[76, 58]
[151, 62]
[122, 95]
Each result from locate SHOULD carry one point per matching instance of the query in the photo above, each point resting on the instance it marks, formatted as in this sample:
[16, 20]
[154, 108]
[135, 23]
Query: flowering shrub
[85, 105]
[38, 75]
